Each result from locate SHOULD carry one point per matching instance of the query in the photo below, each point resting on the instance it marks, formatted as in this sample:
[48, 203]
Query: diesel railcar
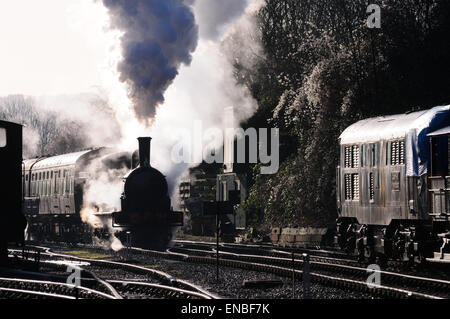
[392, 186]
[12, 221]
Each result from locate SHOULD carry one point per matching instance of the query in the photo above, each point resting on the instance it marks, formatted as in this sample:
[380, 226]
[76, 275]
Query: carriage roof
[396, 126]
[413, 128]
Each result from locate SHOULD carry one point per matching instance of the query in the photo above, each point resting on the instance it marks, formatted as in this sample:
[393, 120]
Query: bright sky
[51, 47]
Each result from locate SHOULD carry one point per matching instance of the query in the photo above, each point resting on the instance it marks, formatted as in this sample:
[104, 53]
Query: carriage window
[397, 152]
[2, 137]
[351, 156]
[351, 186]
[373, 154]
[363, 155]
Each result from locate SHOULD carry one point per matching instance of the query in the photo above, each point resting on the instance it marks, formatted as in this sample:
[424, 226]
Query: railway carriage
[390, 183]
[53, 191]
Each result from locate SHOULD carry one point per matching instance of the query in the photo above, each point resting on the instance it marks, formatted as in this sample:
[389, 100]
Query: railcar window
[351, 186]
[363, 155]
[397, 152]
[373, 154]
[351, 156]
[71, 185]
[2, 137]
[67, 186]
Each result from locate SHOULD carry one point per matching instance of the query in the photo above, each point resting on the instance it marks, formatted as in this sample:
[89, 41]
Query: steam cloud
[159, 36]
[102, 194]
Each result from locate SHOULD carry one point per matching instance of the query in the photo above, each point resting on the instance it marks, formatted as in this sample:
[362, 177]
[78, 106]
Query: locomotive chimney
[144, 151]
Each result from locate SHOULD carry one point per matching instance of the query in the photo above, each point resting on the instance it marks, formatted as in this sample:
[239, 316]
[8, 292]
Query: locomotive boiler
[392, 186]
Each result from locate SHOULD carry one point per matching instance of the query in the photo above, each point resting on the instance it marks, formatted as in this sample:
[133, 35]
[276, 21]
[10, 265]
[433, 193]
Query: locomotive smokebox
[144, 151]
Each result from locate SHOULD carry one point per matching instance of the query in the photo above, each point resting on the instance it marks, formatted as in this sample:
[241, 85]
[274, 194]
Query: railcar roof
[395, 126]
[30, 162]
[59, 160]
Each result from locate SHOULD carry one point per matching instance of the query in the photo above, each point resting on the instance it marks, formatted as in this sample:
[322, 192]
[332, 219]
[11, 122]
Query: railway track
[170, 287]
[8, 293]
[335, 272]
[315, 255]
[11, 287]
[324, 270]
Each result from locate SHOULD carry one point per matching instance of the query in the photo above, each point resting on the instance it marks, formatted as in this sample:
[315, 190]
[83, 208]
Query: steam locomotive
[393, 186]
[57, 208]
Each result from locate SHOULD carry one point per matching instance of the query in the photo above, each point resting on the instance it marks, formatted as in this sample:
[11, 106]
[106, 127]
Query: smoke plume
[158, 36]
[207, 86]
